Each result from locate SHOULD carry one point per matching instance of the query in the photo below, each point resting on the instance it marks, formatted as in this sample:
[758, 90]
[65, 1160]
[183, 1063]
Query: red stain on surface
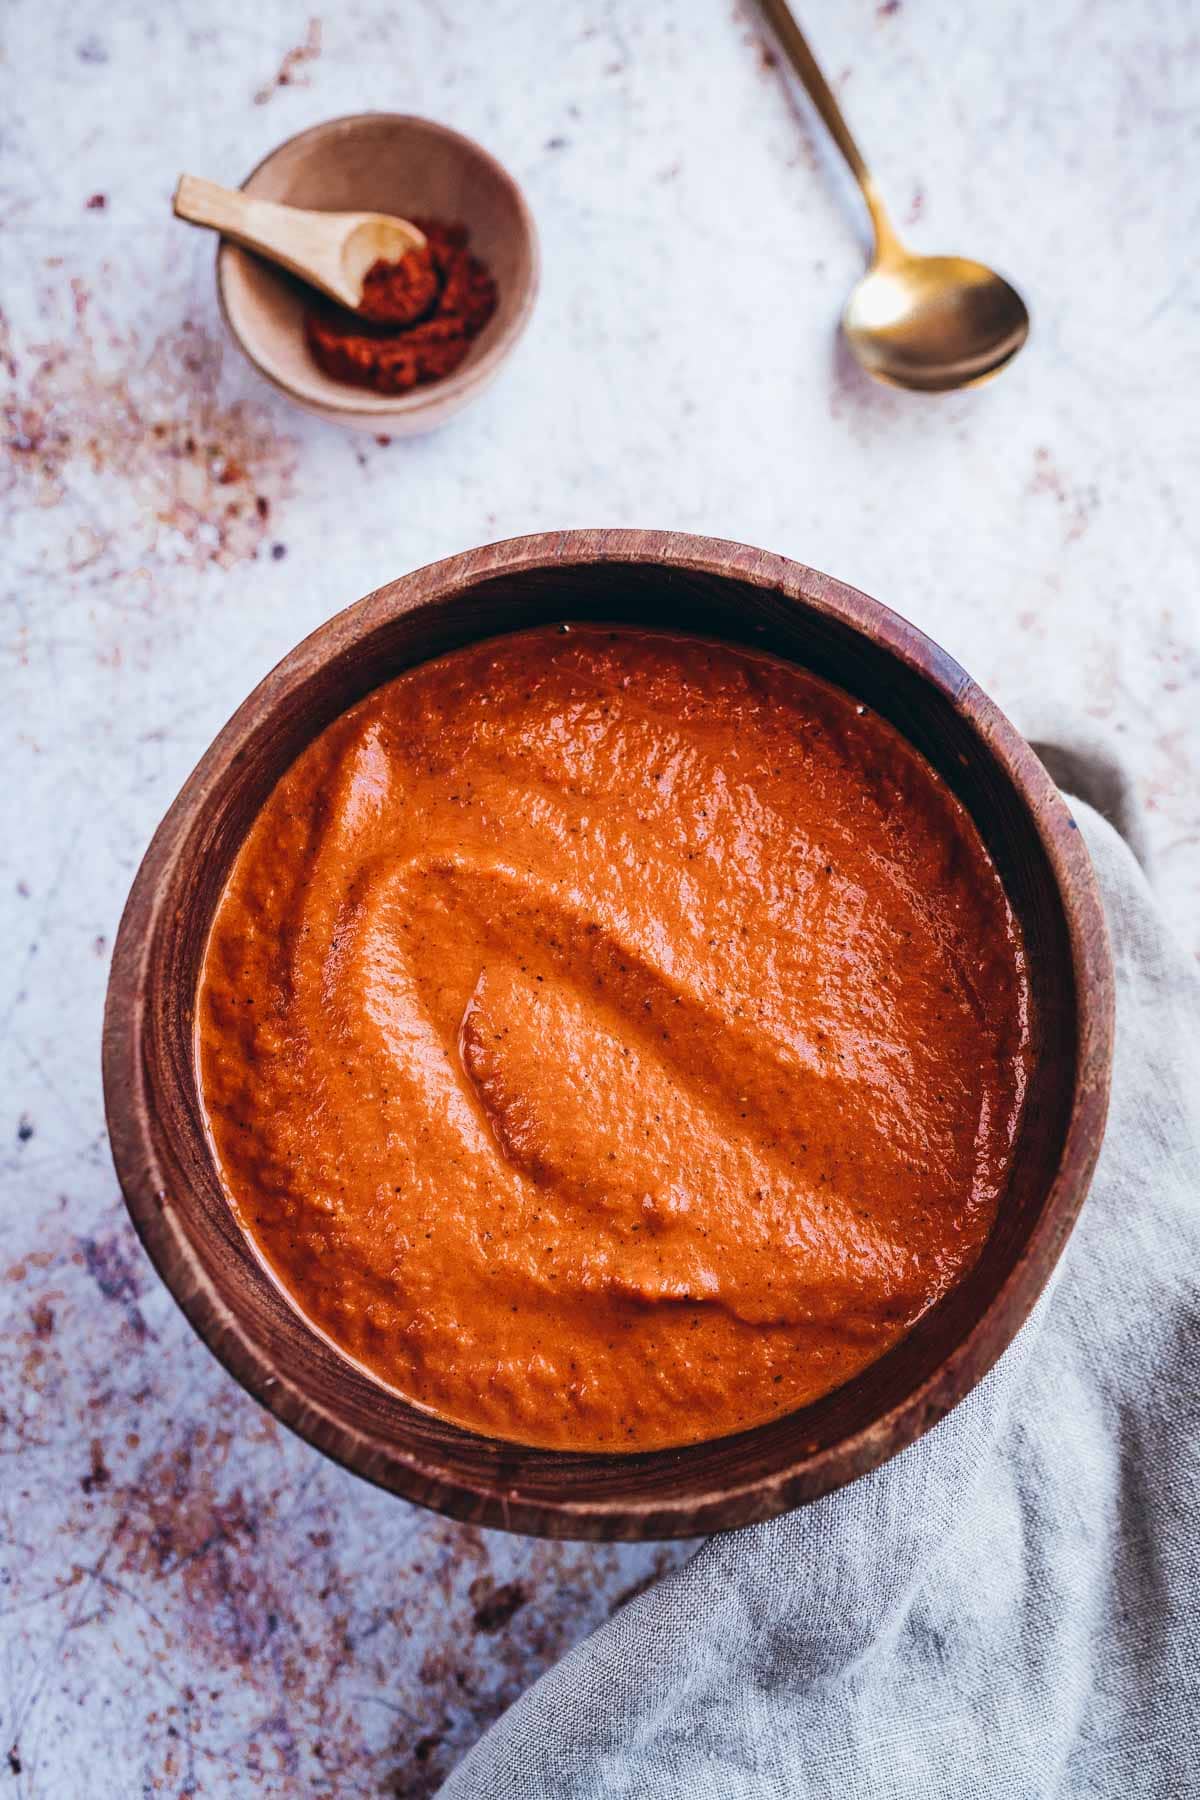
[295, 60]
[495, 1605]
[1077, 503]
[184, 469]
[98, 1475]
[42, 1317]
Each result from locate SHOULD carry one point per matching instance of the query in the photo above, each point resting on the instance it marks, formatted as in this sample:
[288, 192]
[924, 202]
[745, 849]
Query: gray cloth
[1010, 1608]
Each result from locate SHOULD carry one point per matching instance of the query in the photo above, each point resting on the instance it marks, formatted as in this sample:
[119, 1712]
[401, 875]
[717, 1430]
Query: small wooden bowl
[647, 578]
[390, 163]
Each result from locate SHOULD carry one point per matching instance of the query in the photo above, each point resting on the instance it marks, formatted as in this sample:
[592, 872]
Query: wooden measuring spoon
[330, 250]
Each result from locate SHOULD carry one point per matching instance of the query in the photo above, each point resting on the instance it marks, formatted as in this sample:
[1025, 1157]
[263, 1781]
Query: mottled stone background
[191, 1601]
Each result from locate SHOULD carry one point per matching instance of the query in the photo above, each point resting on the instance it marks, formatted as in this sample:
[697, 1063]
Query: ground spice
[417, 318]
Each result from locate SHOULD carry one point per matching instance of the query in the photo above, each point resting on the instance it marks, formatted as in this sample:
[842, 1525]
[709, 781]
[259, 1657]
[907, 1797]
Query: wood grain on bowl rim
[156, 1128]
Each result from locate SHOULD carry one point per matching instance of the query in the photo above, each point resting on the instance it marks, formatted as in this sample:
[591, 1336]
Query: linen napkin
[1012, 1606]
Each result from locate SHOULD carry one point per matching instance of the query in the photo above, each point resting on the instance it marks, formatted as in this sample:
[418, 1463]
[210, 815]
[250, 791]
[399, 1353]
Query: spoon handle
[793, 42]
[304, 242]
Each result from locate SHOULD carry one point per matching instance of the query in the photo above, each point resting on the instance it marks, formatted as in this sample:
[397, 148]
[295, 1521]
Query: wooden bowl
[647, 578]
[391, 163]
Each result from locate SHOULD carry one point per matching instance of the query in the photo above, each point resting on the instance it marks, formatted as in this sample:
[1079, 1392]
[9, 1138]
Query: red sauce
[612, 1039]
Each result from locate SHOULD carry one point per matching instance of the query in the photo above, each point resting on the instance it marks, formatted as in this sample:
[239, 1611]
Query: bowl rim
[807, 1475]
[451, 390]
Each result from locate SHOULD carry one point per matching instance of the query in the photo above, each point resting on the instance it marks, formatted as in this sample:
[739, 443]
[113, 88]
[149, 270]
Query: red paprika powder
[416, 320]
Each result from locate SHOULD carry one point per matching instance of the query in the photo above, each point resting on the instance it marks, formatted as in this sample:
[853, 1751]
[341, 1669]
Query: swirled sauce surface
[613, 1039]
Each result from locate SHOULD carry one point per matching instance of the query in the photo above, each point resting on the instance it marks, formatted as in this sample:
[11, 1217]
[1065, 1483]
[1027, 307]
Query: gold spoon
[330, 250]
[926, 322]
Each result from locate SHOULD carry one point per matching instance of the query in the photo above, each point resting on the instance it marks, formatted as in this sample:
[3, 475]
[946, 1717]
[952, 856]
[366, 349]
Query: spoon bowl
[375, 237]
[933, 323]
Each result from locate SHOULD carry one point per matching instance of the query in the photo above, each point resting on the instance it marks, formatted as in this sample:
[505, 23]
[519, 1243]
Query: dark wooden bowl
[650, 578]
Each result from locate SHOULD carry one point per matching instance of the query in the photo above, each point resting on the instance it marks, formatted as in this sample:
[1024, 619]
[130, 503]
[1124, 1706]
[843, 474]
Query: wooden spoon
[330, 250]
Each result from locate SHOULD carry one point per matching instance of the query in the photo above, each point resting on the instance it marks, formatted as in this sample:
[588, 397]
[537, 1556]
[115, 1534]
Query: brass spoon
[330, 250]
[926, 322]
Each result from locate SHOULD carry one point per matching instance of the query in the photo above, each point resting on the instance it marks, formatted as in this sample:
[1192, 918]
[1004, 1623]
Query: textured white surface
[192, 1602]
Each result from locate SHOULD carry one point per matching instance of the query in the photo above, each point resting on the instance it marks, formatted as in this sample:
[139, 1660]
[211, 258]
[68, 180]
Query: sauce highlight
[613, 1039]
